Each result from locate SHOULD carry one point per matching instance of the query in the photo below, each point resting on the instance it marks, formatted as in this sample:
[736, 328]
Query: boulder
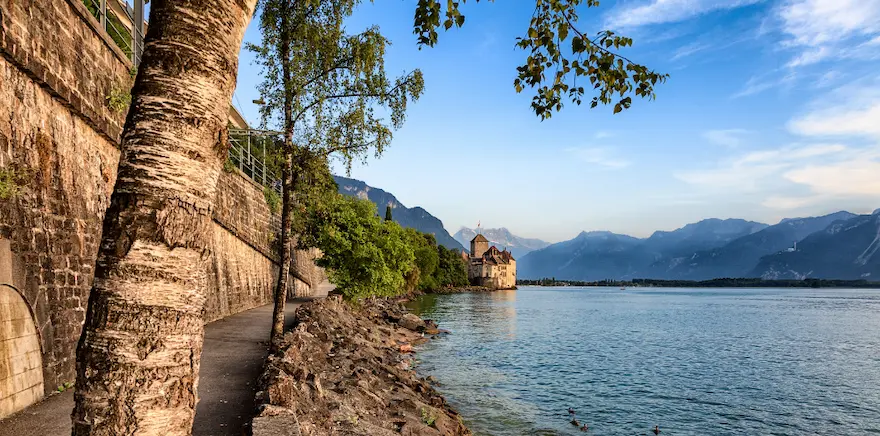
[411, 322]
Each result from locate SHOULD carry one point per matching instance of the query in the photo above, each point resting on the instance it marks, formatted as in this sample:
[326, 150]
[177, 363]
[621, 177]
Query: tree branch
[349, 95]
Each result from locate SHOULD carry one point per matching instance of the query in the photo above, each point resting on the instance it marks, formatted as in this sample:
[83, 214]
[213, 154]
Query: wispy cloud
[763, 82]
[851, 114]
[668, 11]
[852, 177]
[812, 174]
[829, 29]
[731, 138]
[851, 110]
[828, 78]
[602, 156]
[863, 121]
[690, 49]
[754, 171]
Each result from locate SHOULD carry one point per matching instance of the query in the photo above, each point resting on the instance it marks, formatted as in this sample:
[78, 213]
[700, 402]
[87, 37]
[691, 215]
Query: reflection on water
[694, 361]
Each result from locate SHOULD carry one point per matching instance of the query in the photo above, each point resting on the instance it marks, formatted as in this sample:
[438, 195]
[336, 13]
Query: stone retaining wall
[59, 144]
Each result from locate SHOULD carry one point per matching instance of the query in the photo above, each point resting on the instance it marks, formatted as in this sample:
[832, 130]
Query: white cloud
[850, 110]
[840, 122]
[831, 183]
[791, 154]
[810, 57]
[816, 22]
[858, 177]
[755, 171]
[811, 175]
[602, 156]
[852, 113]
[829, 29]
[669, 11]
[731, 138]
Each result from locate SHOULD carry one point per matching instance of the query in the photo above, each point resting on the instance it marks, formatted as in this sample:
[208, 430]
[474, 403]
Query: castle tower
[479, 245]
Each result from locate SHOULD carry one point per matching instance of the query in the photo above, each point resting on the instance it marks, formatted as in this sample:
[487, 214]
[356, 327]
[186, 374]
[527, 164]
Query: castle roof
[494, 256]
[479, 238]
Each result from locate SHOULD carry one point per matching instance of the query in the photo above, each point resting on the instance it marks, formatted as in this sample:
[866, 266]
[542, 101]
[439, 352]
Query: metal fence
[127, 31]
[250, 151]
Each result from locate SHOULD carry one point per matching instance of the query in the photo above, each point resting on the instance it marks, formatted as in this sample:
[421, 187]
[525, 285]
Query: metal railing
[249, 151]
[129, 36]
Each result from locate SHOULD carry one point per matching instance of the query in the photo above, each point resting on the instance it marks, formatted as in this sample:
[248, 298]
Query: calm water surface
[694, 361]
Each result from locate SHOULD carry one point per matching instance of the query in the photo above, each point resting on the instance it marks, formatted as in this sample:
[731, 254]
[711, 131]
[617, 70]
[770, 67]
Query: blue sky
[772, 110]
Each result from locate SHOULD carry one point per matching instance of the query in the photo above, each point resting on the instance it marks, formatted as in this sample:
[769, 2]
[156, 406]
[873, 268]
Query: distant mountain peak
[501, 237]
[415, 217]
[843, 215]
[596, 233]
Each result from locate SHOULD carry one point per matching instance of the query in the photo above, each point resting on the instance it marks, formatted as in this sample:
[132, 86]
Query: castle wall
[59, 148]
[492, 276]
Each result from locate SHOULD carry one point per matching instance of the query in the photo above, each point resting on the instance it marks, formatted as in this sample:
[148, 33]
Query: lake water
[693, 361]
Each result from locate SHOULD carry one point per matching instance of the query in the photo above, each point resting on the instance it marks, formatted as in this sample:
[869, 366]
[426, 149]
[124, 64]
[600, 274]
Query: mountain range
[501, 238]
[839, 245]
[845, 249]
[416, 217]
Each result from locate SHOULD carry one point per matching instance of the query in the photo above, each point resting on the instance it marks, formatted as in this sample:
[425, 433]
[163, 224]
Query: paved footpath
[232, 359]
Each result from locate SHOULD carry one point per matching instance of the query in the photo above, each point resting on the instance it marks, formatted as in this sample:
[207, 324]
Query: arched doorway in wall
[21, 366]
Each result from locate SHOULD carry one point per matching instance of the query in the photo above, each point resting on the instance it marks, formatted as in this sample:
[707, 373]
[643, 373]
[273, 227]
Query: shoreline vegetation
[347, 368]
[714, 283]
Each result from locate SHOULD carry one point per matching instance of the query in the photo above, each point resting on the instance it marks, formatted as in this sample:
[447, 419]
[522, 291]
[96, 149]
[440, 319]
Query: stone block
[279, 425]
[5, 262]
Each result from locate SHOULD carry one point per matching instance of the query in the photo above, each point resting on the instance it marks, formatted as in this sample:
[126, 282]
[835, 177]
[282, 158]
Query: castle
[488, 266]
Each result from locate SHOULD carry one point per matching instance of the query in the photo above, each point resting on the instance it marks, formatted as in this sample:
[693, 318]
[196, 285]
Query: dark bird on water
[656, 429]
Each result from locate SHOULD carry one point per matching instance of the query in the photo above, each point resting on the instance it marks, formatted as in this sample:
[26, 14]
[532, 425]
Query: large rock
[412, 322]
[275, 425]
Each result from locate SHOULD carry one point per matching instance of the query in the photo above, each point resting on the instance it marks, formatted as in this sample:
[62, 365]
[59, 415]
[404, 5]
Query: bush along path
[347, 370]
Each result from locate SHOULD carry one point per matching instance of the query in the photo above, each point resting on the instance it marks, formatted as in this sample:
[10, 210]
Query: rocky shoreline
[346, 369]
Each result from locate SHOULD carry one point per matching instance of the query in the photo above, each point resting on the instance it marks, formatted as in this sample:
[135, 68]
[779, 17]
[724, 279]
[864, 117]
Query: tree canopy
[343, 103]
[559, 54]
[367, 256]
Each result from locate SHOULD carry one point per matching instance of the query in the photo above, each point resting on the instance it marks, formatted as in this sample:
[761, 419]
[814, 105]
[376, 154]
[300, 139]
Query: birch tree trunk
[287, 185]
[284, 270]
[138, 356]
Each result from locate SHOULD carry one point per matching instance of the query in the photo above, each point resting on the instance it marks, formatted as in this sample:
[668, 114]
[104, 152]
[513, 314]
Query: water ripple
[694, 361]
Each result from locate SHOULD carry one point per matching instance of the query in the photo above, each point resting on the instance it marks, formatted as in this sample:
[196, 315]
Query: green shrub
[10, 183]
[228, 165]
[272, 199]
[118, 99]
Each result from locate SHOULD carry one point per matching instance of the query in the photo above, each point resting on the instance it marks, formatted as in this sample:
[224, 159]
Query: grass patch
[428, 417]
